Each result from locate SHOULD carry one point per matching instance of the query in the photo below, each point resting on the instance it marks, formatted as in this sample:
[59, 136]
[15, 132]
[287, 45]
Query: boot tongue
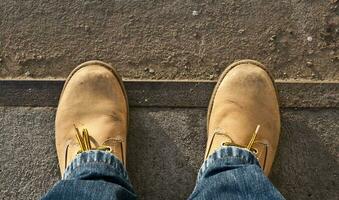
[86, 143]
[111, 145]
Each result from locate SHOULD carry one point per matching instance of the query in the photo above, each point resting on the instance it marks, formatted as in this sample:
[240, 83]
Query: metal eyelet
[109, 149]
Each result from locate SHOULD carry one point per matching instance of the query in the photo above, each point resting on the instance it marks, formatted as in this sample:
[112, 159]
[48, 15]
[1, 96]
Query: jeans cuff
[97, 162]
[228, 155]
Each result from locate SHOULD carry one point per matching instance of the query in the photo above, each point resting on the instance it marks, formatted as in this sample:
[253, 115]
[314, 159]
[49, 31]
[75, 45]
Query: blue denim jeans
[229, 173]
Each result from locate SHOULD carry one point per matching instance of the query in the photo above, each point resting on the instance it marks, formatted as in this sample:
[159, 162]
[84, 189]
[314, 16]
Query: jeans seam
[81, 164]
[239, 157]
[75, 165]
[92, 162]
[242, 159]
[101, 162]
[212, 159]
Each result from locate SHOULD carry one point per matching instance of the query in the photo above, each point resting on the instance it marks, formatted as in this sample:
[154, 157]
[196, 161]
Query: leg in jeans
[243, 126]
[93, 175]
[233, 173]
[90, 134]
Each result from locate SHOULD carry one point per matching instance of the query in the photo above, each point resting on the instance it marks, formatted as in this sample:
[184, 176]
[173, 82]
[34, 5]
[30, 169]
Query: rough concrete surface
[161, 39]
[165, 151]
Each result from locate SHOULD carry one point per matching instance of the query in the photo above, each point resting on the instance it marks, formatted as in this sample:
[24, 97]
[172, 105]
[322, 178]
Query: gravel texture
[161, 39]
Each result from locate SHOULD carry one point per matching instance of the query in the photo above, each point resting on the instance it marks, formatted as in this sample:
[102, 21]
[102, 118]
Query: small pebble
[0, 59]
[211, 77]
[151, 71]
[195, 13]
[309, 63]
[332, 53]
[146, 69]
[27, 73]
[273, 37]
[241, 31]
[309, 38]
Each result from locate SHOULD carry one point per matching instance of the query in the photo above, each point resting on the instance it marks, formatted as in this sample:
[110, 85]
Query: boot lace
[249, 145]
[85, 144]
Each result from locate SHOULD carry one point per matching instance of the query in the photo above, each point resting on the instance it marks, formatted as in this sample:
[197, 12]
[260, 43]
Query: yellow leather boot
[92, 113]
[244, 112]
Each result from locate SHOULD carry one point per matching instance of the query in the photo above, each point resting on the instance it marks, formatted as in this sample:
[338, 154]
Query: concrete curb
[180, 94]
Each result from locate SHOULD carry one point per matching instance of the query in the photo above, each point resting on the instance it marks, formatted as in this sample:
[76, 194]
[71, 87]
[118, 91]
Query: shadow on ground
[165, 151]
[307, 163]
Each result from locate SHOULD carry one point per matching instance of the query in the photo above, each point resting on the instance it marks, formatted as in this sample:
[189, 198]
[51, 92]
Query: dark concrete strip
[169, 93]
